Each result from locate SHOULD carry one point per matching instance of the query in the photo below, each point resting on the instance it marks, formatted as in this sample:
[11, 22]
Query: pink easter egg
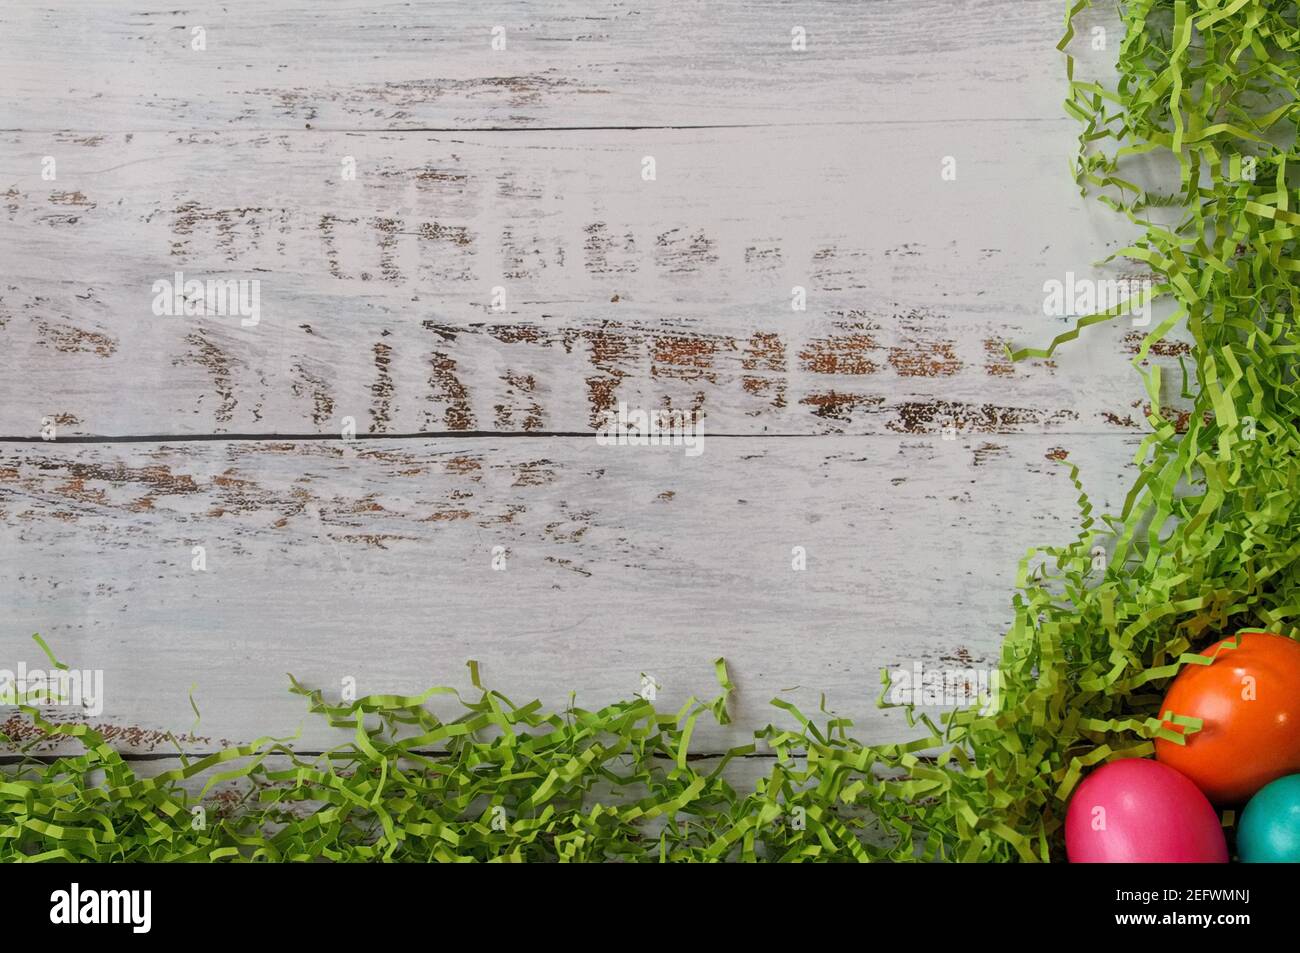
[1140, 811]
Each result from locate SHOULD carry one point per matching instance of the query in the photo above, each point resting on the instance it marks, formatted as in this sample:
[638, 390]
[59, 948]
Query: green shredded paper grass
[1207, 543]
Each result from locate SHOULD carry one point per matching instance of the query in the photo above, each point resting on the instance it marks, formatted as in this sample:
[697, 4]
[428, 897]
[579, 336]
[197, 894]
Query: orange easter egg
[1248, 699]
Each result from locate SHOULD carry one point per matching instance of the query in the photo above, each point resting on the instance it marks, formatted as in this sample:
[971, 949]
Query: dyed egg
[1139, 811]
[1269, 830]
[1249, 701]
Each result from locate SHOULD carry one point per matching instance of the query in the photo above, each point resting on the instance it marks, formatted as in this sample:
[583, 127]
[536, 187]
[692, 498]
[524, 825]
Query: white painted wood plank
[376, 294]
[94, 65]
[373, 560]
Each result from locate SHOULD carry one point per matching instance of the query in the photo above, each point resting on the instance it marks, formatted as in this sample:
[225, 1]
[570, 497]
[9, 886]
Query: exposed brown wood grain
[377, 295]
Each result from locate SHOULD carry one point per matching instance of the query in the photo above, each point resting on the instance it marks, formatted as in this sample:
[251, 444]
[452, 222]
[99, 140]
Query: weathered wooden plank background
[520, 169]
[376, 293]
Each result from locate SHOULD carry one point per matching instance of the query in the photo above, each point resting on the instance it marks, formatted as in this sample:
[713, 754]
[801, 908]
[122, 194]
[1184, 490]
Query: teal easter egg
[1269, 831]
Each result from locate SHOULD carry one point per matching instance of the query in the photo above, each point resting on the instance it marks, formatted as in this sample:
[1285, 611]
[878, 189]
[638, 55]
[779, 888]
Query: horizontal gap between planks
[383, 130]
[531, 434]
[198, 755]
